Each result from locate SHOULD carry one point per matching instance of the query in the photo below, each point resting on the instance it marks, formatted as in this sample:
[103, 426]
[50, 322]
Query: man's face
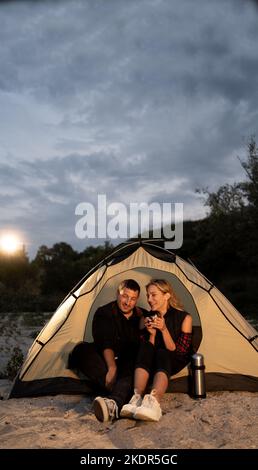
[127, 299]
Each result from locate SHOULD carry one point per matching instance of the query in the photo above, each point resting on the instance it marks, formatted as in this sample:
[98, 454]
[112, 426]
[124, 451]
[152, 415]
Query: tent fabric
[227, 341]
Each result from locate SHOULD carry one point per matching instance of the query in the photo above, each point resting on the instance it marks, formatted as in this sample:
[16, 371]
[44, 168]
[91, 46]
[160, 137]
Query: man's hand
[111, 377]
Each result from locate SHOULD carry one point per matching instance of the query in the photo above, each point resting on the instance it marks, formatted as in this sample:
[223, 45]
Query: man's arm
[103, 329]
[103, 335]
[109, 357]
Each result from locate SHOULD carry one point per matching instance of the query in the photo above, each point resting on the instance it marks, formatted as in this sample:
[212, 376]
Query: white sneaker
[149, 410]
[129, 409]
[105, 409]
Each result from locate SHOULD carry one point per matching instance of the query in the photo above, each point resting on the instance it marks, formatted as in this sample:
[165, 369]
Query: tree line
[223, 246]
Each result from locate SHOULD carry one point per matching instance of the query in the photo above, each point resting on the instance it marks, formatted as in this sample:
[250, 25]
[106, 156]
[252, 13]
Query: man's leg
[87, 360]
[108, 408]
[124, 386]
[122, 390]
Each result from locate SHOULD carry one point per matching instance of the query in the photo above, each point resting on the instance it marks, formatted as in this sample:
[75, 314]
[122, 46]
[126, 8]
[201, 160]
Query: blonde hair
[165, 287]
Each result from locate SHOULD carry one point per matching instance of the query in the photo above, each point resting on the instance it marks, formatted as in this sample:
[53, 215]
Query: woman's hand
[148, 323]
[151, 330]
[159, 323]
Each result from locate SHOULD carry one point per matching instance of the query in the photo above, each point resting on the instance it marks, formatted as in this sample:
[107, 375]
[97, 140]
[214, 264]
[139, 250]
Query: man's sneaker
[129, 409]
[105, 409]
[149, 410]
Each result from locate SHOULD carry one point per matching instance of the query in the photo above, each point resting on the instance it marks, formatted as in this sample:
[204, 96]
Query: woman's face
[157, 299]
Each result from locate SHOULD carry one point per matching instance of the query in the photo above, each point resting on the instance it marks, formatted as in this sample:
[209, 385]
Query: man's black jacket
[112, 330]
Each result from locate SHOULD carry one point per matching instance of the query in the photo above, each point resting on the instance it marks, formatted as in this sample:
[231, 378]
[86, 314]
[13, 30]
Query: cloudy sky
[140, 100]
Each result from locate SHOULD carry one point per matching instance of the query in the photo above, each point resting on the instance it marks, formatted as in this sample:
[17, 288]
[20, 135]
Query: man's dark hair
[129, 284]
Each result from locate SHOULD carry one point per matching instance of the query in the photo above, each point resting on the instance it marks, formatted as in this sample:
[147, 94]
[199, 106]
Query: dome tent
[227, 341]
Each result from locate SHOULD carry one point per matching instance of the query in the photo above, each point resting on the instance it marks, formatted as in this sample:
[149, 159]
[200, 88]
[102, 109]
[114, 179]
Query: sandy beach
[221, 421]
[224, 420]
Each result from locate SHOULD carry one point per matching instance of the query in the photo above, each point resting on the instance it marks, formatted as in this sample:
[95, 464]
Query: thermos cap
[197, 359]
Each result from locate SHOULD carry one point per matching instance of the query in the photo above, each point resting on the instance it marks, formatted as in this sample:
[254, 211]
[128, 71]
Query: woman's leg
[167, 363]
[144, 364]
[141, 377]
[162, 367]
[160, 385]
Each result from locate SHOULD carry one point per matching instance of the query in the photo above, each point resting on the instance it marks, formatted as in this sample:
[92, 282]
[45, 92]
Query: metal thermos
[198, 376]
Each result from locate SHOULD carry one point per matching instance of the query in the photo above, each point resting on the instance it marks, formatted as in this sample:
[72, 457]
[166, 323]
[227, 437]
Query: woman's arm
[184, 341]
[160, 324]
[167, 338]
[187, 324]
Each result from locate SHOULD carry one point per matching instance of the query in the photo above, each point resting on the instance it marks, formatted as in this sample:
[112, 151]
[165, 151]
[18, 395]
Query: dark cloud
[138, 100]
[142, 50]
[44, 194]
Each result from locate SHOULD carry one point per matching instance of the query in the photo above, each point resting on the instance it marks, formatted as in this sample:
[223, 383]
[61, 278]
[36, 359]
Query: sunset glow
[9, 243]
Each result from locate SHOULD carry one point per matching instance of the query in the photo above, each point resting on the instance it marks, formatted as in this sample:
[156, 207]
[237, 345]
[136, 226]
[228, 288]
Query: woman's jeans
[160, 360]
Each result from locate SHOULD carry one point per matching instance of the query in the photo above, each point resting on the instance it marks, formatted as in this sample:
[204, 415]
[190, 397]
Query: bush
[14, 363]
[11, 301]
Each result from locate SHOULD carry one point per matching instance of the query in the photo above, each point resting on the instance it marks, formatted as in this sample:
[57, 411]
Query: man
[109, 361]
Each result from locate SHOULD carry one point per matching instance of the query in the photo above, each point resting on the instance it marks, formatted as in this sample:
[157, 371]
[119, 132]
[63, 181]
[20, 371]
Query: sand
[224, 420]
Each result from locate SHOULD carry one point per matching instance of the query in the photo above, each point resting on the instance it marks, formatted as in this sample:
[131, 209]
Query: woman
[164, 351]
